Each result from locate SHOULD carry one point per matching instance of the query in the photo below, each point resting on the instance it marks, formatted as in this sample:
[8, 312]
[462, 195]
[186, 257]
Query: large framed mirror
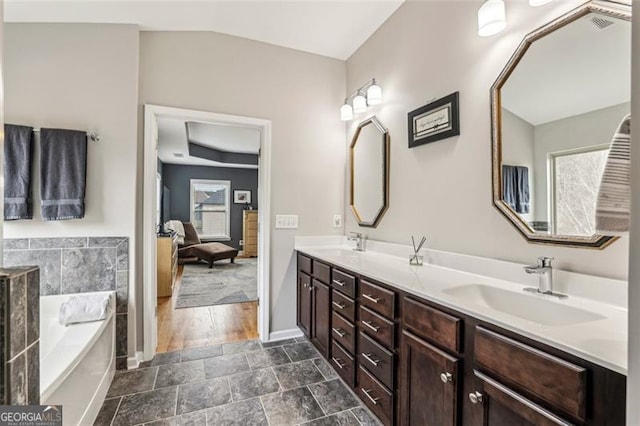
[555, 108]
[369, 156]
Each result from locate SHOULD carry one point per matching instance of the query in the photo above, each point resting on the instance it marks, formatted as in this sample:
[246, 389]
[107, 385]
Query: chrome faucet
[359, 239]
[545, 277]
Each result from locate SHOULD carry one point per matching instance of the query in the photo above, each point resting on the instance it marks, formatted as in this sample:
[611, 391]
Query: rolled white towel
[84, 308]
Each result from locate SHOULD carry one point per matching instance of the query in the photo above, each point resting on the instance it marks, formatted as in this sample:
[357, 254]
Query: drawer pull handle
[371, 326]
[366, 392]
[339, 305]
[339, 332]
[475, 397]
[370, 298]
[446, 377]
[371, 360]
[337, 362]
[340, 283]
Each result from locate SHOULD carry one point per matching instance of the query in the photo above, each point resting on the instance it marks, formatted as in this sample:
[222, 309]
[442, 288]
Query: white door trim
[151, 113]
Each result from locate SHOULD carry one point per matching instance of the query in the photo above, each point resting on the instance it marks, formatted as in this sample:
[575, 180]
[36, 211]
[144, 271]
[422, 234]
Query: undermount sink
[531, 307]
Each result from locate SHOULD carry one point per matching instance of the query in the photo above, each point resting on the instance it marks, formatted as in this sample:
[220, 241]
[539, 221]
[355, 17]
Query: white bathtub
[77, 362]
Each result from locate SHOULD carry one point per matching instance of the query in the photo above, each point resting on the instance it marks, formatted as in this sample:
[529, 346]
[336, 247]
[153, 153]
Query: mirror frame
[384, 134]
[614, 9]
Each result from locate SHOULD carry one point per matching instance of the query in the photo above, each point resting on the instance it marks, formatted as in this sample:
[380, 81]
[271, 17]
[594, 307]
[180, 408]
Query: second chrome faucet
[545, 277]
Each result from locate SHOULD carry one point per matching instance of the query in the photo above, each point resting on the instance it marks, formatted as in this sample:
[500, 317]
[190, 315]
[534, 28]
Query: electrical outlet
[337, 221]
[241, 242]
[286, 221]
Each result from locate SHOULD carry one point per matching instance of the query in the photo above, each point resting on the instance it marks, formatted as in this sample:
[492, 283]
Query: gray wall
[299, 92]
[443, 189]
[85, 77]
[178, 179]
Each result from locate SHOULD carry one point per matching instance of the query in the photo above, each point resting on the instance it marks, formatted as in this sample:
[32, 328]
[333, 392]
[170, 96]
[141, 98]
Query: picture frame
[435, 121]
[241, 196]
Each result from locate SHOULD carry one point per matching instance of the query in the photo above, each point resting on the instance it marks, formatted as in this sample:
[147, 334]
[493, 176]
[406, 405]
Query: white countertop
[602, 341]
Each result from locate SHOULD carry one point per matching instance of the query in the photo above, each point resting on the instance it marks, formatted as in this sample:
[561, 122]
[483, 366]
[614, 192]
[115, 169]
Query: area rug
[224, 283]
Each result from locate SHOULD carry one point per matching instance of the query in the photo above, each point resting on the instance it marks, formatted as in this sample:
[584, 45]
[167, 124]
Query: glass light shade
[491, 18]
[374, 94]
[536, 3]
[346, 112]
[359, 103]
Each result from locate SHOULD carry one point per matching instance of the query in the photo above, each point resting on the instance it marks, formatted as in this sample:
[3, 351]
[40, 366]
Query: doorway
[212, 202]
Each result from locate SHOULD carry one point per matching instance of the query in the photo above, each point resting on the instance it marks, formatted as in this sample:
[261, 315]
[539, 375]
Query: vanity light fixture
[536, 3]
[367, 95]
[491, 18]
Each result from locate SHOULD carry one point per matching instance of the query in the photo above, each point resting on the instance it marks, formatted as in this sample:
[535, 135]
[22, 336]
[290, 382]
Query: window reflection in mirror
[560, 109]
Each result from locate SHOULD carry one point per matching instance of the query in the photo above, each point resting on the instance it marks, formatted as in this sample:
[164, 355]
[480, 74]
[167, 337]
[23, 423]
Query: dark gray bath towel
[18, 148]
[63, 173]
[515, 188]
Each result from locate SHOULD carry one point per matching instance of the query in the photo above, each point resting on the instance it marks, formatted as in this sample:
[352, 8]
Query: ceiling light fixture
[367, 95]
[491, 18]
[536, 3]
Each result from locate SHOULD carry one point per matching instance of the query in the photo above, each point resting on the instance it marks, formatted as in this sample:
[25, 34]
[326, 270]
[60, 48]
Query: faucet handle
[545, 262]
[356, 234]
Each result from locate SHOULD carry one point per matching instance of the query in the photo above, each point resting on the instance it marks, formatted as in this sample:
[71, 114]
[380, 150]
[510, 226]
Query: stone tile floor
[245, 383]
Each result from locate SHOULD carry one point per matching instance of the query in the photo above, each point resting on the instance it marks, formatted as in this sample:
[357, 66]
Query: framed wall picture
[435, 121]
[241, 196]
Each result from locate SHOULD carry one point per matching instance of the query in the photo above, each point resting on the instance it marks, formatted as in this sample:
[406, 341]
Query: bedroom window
[210, 208]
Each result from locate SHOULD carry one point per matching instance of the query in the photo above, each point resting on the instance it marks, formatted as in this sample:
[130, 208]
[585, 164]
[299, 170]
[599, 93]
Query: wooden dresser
[250, 232]
[167, 264]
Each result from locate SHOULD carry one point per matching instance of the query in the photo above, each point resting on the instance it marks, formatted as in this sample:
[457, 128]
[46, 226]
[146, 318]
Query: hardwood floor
[208, 325]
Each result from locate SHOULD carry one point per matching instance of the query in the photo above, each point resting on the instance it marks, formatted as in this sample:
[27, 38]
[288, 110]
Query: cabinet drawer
[376, 359]
[344, 282]
[558, 383]
[378, 399]
[344, 305]
[321, 271]
[432, 324]
[377, 298]
[343, 363]
[344, 332]
[377, 327]
[304, 264]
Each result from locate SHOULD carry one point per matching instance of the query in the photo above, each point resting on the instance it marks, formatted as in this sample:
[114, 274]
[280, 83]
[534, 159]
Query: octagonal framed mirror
[554, 109]
[369, 179]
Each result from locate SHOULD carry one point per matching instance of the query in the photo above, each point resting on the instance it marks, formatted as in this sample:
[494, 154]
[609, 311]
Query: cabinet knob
[475, 397]
[446, 377]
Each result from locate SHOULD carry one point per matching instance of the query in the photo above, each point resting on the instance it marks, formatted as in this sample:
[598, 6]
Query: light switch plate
[286, 221]
[337, 221]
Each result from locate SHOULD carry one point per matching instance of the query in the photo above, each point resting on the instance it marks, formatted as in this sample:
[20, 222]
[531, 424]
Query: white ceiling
[172, 139]
[574, 70]
[325, 27]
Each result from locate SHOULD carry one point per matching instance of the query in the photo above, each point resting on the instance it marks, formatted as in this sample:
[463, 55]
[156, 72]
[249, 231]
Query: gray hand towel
[613, 208]
[63, 172]
[18, 148]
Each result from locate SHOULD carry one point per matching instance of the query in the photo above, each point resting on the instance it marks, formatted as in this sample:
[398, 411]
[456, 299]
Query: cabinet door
[497, 405]
[304, 303]
[320, 330]
[429, 384]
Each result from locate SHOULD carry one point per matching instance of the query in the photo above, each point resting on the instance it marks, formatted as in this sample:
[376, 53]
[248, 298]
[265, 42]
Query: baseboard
[134, 361]
[284, 334]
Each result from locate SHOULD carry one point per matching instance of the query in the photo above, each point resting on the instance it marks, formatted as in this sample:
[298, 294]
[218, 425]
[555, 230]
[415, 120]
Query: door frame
[150, 141]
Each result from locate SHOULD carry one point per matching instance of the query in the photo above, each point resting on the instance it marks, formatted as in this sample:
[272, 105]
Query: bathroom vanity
[415, 356]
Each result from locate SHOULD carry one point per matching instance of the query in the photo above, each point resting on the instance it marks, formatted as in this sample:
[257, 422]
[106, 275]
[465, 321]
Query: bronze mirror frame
[384, 134]
[618, 10]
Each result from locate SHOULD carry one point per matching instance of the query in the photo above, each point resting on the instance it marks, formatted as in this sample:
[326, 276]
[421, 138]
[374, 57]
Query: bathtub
[77, 362]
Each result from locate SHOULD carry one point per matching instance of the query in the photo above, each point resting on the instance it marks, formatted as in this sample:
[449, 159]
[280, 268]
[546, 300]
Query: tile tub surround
[238, 383]
[602, 341]
[78, 265]
[20, 336]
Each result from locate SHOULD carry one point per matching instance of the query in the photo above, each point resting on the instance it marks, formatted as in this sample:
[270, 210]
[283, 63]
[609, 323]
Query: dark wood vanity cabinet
[314, 302]
[414, 362]
[430, 379]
